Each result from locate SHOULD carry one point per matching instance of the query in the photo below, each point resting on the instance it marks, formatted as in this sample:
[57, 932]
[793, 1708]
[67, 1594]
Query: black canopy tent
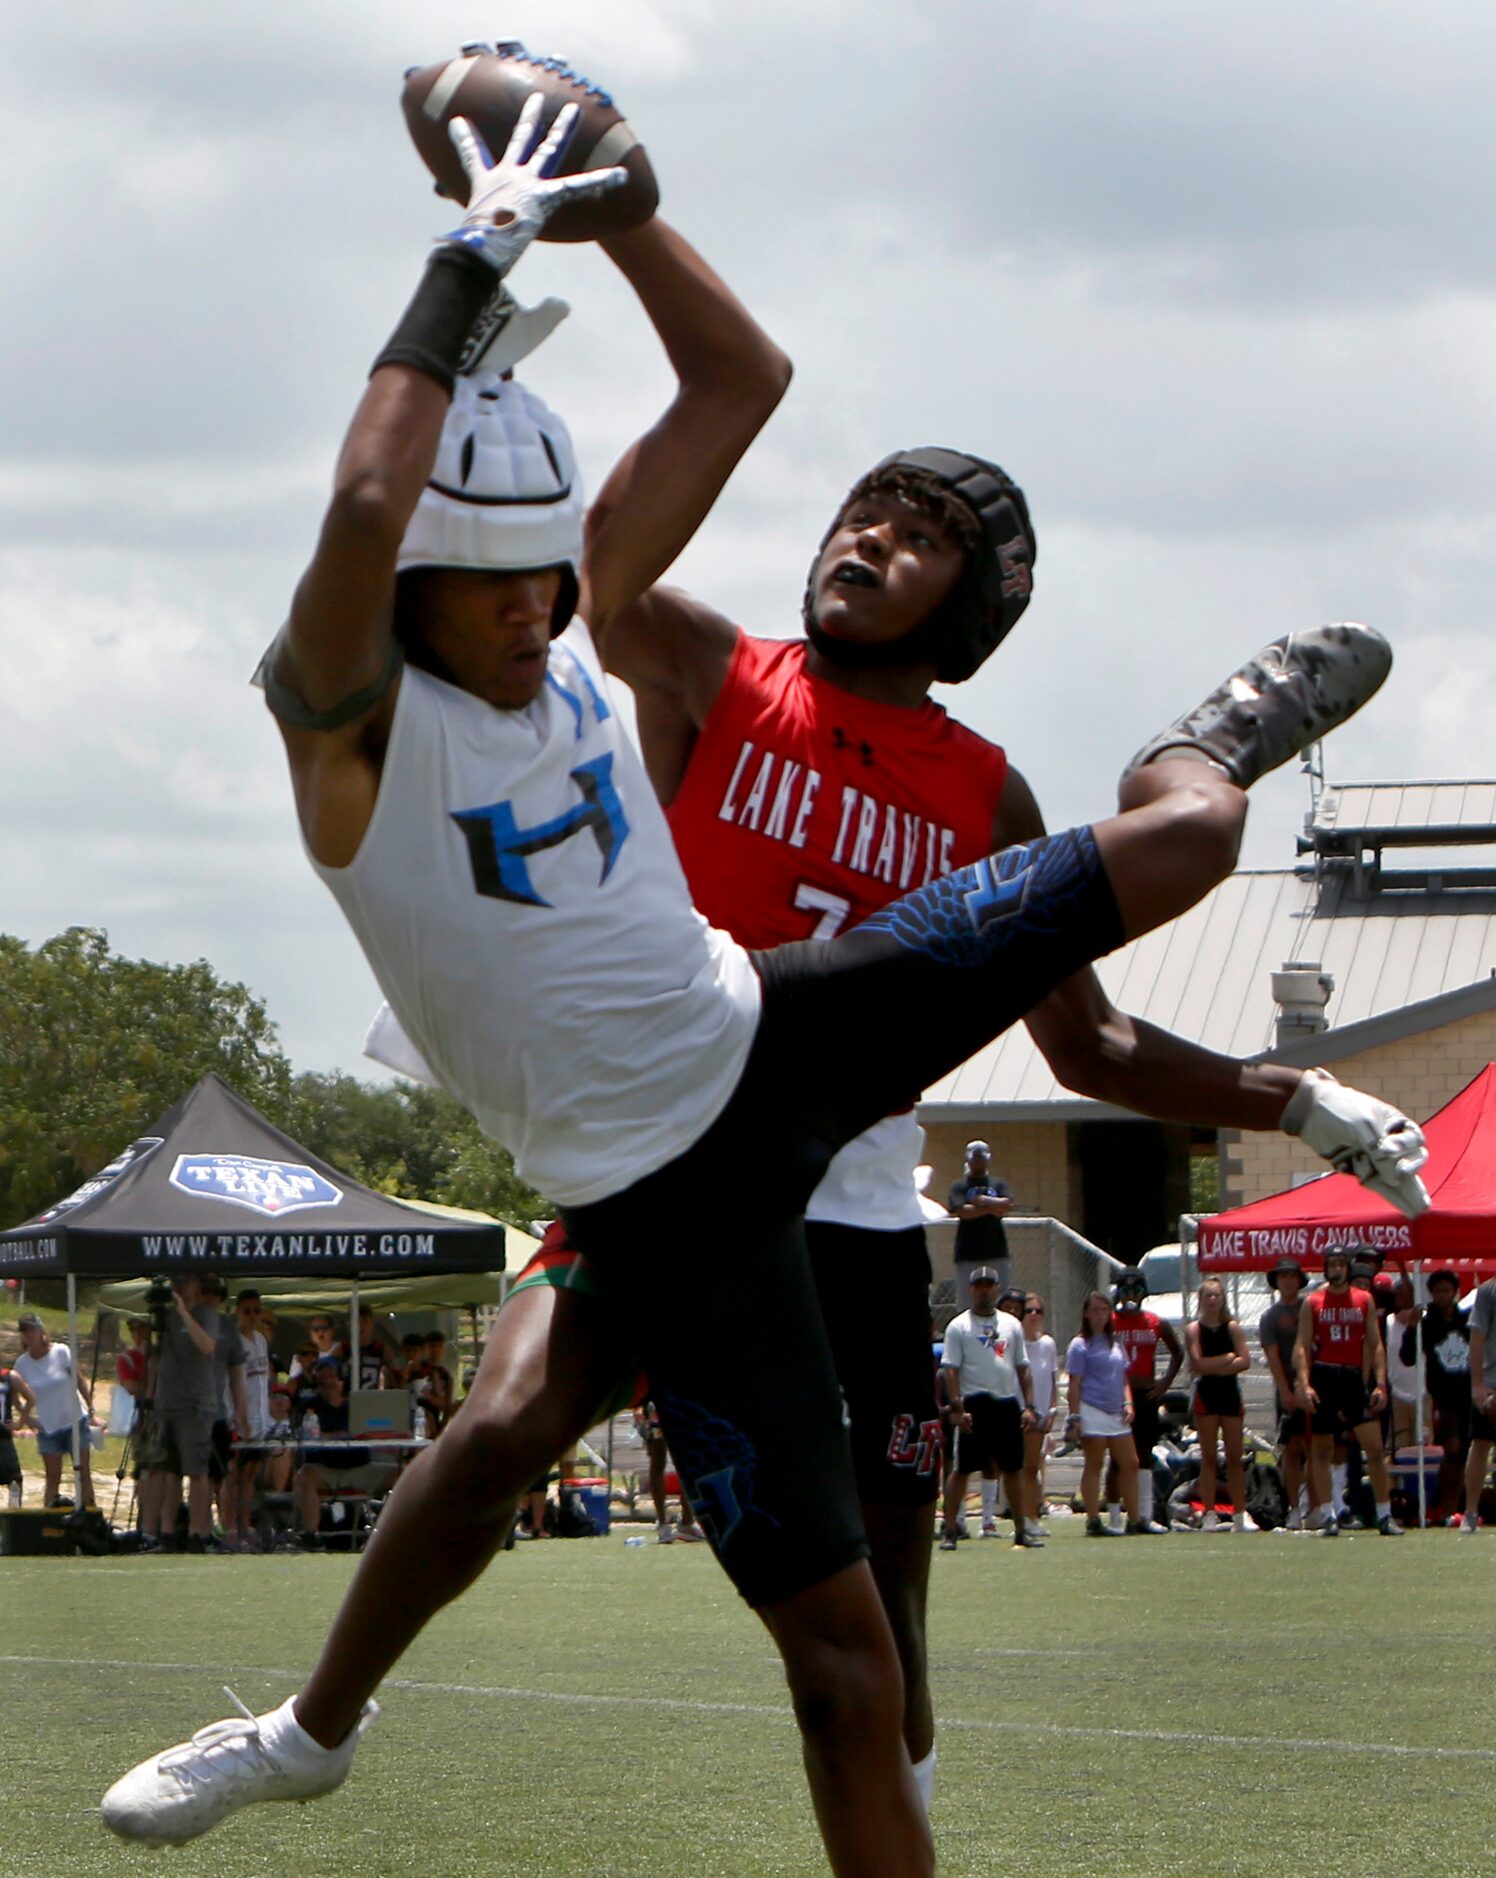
[215, 1187]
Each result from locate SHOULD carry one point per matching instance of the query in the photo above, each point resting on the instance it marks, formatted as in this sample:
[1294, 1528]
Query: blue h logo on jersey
[497, 845]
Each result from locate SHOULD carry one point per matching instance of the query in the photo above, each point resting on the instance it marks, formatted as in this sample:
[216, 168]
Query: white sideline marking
[1177, 1737]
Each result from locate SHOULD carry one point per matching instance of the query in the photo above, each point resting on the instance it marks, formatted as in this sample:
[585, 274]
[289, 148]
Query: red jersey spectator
[1339, 1352]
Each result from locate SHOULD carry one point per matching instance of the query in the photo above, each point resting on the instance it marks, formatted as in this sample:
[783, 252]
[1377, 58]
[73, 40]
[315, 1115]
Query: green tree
[408, 1140]
[94, 1047]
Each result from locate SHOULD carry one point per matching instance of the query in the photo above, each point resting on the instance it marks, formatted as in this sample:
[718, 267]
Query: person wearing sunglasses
[1044, 1361]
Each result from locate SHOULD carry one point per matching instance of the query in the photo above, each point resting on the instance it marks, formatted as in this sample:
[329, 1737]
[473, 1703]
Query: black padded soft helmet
[1130, 1283]
[994, 586]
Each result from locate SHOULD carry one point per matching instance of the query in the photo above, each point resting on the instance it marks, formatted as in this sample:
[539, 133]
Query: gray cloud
[1214, 284]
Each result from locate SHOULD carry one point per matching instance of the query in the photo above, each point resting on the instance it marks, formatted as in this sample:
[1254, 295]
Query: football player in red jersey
[1340, 1351]
[1140, 1332]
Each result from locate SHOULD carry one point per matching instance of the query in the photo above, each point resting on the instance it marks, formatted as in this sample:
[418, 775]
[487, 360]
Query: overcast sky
[1215, 284]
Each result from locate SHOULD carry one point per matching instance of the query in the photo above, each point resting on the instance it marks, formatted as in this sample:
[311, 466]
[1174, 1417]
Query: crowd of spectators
[1359, 1372]
[219, 1427]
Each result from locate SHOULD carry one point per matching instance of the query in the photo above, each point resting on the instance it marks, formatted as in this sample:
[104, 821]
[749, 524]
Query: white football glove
[510, 201]
[1361, 1135]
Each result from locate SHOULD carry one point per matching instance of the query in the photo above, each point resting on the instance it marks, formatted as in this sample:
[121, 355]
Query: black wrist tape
[434, 328]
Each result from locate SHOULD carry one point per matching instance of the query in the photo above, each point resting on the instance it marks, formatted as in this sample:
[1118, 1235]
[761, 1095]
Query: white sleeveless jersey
[518, 897]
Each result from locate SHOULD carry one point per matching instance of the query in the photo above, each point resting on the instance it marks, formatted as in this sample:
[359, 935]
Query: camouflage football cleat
[1281, 701]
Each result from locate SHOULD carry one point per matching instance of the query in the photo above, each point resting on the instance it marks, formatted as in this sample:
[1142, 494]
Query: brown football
[488, 85]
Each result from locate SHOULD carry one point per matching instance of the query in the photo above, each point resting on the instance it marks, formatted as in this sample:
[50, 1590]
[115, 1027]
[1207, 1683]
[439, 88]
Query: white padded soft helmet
[504, 492]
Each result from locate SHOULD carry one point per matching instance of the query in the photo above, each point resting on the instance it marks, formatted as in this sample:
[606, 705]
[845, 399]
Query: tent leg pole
[73, 1349]
[1418, 1361]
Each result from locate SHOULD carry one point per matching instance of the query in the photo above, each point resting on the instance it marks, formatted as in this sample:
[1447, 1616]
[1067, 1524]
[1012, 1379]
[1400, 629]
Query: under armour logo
[841, 741]
[994, 897]
[498, 846]
[1014, 559]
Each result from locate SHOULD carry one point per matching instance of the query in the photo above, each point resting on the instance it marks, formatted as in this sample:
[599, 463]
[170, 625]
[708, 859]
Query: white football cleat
[184, 1792]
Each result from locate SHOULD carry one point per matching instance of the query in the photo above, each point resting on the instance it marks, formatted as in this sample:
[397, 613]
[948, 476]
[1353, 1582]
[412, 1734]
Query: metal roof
[1207, 975]
[1423, 814]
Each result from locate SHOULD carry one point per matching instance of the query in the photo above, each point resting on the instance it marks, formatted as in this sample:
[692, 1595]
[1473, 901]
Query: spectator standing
[236, 1499]
[980, 1201]
[1483, 1400]
[377, 1362]
[1339, 1352]
[1043, 1360]
[1278, 1332]
[187, 1401]
[228, 1370]
[1404, 1371]
[647, 1421]
[440, 1398]
[1218, 1358]
[1101, 1412]
[1140, 1332]
[60, 1406]
[13, 1394]
[990, 1395]
[1445, 1336]
[130, 1368]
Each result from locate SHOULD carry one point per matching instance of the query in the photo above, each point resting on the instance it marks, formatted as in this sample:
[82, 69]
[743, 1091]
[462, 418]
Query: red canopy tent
[1458, 1230]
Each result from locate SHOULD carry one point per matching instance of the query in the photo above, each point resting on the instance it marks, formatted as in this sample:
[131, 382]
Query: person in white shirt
[1044, 1362]
[1404, 1380]
[986, 1365]
[236, 1497]
[60, 1409]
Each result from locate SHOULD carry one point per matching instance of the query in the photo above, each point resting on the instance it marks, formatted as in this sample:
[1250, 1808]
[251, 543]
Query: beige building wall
[1419, 1074]
[1033, 1157]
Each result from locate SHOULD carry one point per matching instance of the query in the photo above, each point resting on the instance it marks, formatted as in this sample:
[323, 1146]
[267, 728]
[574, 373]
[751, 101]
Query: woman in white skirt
[1044, 1360]
[1101, 1413]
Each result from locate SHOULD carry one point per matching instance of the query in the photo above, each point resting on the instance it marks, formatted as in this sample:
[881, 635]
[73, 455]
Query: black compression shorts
[881, 1345]
[851, 1029]
[1144, 1422]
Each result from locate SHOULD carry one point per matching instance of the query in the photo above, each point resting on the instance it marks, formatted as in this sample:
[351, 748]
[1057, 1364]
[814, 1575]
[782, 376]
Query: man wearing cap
[60, 1406]
[979, 1200]
[1278, 1332]
[986, 1365]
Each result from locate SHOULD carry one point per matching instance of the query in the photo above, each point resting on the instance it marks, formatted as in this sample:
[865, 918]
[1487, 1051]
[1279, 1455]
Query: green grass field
[1191, 1705]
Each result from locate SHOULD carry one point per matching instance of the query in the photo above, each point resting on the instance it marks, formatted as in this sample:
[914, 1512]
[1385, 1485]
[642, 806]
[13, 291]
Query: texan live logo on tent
[268, 1187]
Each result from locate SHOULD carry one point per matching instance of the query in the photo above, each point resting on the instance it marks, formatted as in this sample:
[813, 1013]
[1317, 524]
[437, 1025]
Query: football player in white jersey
[498, 851]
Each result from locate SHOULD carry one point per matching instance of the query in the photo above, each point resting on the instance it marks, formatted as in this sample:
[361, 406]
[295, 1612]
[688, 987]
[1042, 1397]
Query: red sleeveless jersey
[1340, 1326]
[804, 809]
[1138, 1333]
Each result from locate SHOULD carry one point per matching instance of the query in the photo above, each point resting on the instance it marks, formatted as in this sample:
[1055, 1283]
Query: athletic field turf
[1193, 1704]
